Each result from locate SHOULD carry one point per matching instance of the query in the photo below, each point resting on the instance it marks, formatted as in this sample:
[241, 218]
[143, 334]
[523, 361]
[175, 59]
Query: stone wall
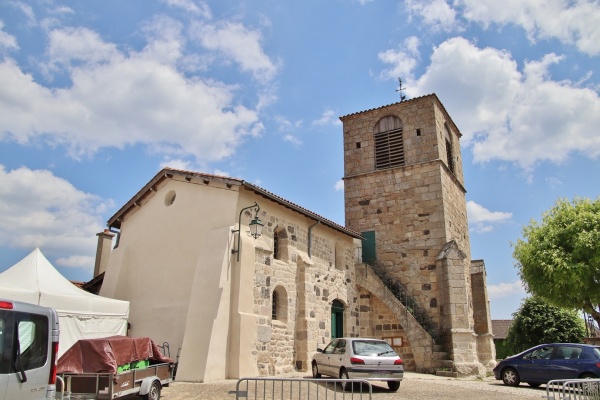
[415, 211]
[310, 285]
[378, 321]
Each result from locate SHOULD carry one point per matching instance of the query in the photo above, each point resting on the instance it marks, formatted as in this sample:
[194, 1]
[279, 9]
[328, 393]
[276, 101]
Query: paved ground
[414, 386]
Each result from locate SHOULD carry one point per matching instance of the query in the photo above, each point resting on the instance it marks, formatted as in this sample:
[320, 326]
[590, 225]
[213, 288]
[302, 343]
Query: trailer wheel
[153, 393]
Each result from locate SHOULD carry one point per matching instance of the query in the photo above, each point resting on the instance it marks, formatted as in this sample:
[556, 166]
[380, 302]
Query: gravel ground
[414, 386]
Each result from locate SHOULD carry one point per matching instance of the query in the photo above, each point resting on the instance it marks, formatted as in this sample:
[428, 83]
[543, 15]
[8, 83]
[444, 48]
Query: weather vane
[400, 89]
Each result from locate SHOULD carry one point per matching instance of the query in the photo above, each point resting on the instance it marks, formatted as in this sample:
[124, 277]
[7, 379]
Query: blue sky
[96, 97]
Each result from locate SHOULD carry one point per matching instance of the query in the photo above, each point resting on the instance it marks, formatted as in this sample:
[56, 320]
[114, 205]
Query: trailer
[113, 368]
[145, 382]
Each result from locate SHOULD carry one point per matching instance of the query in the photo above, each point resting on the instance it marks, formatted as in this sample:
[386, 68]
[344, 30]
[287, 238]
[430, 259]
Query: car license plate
[381, 374]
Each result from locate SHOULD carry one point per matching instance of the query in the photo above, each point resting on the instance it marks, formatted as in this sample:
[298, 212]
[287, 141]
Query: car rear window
[596, 351]
[372, 348]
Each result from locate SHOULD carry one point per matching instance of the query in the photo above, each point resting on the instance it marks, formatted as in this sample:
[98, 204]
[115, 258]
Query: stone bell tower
[405, 193]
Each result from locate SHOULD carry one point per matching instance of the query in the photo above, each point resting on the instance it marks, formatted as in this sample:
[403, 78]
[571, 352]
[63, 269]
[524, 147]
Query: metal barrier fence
[573, 389]
[305, 389]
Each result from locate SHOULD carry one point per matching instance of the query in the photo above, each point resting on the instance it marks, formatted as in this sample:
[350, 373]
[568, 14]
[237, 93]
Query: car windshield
[372, 348]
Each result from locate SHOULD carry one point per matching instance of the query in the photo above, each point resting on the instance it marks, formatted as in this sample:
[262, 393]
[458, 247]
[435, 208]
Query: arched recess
[337, 319]
[279, 302]
[280, 244]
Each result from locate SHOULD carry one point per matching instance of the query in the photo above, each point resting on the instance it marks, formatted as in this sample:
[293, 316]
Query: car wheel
[344, 375]
[532, 384]
[393, 385]
[154, 392]
[588, 375]
[510, 377]
[315, 370]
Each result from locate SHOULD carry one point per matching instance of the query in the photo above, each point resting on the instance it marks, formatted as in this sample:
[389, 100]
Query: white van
[28, 351]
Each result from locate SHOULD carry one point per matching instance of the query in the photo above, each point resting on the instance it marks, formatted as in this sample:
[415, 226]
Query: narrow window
[274, 303]
[389, 143]
[276, 250]
[449, 156]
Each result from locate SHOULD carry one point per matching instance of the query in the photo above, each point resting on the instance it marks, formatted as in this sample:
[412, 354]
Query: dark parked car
[545, 362]
[359, 358]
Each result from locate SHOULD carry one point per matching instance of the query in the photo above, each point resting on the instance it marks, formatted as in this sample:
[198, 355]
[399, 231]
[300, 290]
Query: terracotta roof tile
[169, 172]
[500, 327]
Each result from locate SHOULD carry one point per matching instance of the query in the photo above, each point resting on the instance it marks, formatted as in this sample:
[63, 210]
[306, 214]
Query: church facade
[236, 303]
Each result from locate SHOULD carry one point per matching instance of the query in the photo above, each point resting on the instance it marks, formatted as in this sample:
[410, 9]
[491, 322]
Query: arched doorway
[337, 319]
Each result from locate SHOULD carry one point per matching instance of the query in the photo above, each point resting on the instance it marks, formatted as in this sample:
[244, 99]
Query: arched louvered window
[389, 144]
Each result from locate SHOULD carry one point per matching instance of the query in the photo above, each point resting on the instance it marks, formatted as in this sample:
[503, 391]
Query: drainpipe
[310, 235]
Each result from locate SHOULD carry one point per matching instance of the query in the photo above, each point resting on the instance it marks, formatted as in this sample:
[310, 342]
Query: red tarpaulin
[106, 354]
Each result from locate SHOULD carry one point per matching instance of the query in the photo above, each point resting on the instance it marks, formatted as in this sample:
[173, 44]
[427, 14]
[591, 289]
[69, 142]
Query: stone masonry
[415, 209]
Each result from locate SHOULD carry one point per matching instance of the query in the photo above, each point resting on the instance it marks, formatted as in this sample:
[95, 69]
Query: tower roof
[416, 99]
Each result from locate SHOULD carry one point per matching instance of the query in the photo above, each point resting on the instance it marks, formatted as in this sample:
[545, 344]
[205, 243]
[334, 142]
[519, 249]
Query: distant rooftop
[500, 327]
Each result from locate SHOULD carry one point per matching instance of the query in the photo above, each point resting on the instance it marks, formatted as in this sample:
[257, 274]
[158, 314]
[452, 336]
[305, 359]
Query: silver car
[359, 358]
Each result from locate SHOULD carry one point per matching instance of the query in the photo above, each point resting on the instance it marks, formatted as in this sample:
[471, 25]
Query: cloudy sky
[96, 97]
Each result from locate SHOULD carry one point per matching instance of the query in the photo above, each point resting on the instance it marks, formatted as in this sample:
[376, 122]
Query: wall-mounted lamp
[255, 227]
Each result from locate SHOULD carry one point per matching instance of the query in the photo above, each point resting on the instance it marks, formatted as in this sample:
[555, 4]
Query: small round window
[170, 198]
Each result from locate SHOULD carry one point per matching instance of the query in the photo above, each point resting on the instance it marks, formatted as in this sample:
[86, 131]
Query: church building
[245, 283]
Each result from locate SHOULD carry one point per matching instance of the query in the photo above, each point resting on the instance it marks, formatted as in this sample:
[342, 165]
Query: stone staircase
[427, 351]
[401, 293]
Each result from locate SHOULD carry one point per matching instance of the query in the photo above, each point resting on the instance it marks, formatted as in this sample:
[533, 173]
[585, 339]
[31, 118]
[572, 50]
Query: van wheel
[153, 393]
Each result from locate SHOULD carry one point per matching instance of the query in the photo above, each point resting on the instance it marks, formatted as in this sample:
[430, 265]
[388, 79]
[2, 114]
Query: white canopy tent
[82, 315]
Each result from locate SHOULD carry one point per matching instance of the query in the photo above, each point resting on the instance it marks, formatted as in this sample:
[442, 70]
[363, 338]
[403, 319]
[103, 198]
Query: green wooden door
[368, 247]
[337, 319]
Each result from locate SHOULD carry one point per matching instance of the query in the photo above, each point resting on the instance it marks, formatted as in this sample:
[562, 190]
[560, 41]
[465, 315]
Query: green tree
[559, 260]
[537, 322]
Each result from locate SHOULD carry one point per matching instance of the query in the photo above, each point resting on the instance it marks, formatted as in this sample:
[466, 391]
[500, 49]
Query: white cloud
[220, 172]
[27, 10]
[199, 8]
[7, 41]
[571, 22]
[403, 60]
[69, 46]
[554, 182]
[329, 117]
[339, 185]
[478, 213]
[84, 262]
[292, 139]
[504, 114]
[503, 290]
[482, 219]
[39, 209]
[436, 14]
[239, 44]
[117, 99]
[177, 164]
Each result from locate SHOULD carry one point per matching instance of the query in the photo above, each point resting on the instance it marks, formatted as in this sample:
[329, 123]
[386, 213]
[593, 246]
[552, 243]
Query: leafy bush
[537, 322]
